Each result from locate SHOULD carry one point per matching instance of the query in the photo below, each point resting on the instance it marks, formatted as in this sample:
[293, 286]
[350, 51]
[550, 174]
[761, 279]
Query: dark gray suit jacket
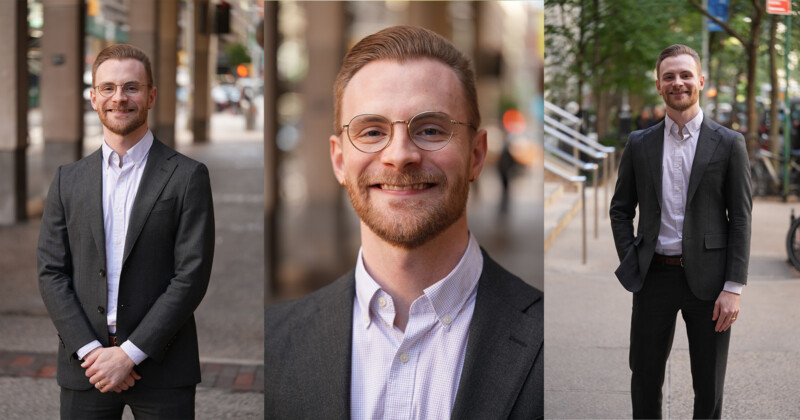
[308, 352]
[166, 265]
[716, 226]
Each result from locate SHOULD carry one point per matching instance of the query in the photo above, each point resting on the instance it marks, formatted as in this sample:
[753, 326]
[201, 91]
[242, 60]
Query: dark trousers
[145, 403]
[655, 309]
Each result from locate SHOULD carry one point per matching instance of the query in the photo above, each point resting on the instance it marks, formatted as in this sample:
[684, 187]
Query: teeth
[402, 187]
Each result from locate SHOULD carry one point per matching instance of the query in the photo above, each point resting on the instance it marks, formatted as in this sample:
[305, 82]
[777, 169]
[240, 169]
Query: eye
[370, 134]
[131, 88]
[107, 89]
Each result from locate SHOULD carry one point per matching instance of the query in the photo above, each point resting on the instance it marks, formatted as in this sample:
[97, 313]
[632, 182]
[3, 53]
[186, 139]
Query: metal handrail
[586, 166]
[578, 180]
[609, 152]
[562, 113]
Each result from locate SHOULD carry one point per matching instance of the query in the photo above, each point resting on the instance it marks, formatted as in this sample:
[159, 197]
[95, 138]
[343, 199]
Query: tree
[751, 48]
[611, 47]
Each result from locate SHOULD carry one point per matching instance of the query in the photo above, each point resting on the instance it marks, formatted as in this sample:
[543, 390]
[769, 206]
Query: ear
[477, 154]
[658, 86]
[337, 159]
[93, 99]
[702, 81]
[151, 100]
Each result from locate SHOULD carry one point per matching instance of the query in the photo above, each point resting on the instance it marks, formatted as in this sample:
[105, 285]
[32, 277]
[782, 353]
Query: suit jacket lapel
[157, 172]
[707, 142]
[654, 148]
[495, 367]
[332, 328]
[93, 195]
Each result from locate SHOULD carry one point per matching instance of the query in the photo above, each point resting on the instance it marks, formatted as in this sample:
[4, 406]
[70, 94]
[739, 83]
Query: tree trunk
[774, 124]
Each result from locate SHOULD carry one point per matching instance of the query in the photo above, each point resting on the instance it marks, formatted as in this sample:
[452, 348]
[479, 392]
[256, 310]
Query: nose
[401, 150]
[119, 94]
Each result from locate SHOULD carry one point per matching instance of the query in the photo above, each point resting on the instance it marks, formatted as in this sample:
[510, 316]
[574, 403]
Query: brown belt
[668, 259]
[112, 340]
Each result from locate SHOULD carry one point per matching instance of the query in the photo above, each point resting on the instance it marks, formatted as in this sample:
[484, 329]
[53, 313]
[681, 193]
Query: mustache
[118, 108]
[407, 177]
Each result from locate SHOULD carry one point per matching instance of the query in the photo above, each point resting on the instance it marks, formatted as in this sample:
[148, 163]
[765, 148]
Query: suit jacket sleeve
[194, 252]
[739, 203]
[54, 260]
[624, 201]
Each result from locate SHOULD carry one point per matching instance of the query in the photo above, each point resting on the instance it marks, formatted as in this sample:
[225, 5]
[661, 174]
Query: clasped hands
[110, 369]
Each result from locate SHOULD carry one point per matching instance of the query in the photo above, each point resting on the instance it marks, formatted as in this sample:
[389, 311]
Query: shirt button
[382, 302]
[404, 357]
[447, 320]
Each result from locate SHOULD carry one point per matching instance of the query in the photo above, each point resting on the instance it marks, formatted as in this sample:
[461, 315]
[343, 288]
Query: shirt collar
[447, 296]
[135, 154]
[693, 126]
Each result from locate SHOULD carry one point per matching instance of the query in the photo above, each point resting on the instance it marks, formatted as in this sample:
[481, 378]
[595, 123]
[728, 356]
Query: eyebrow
[123, 83]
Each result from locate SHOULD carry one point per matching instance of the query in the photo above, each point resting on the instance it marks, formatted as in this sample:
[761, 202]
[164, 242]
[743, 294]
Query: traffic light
[223, 18]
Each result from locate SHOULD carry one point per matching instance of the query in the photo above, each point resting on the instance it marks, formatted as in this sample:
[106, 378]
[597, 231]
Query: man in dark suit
[124, 257]
[690, 178]
[426, 325]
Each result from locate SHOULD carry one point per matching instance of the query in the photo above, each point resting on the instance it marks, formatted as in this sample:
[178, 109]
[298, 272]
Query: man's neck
[405, 273]
[121, 144]
[683, 117]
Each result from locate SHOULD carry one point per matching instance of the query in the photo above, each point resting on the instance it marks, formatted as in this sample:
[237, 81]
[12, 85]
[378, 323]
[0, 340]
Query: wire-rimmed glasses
[108, 90]
[429, 130]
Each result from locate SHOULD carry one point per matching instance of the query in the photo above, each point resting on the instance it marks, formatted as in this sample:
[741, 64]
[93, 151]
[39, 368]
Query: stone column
[13, 110]
[154, 29]
[165, 67]
[201, 73]
[311, 251]
[62, 84]
[271, 157]
[434, 15]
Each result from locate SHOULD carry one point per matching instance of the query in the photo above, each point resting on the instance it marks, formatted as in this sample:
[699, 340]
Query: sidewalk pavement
[587, 326]
[229, 320]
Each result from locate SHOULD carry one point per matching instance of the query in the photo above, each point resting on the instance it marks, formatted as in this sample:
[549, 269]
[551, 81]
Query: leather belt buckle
[676, 260]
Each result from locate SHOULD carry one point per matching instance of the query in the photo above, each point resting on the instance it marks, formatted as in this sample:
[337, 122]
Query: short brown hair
[402, 43]
[122, 52]
[674, 51]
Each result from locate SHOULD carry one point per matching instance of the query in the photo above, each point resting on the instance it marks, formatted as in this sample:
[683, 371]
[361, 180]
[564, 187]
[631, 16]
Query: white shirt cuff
[733, 287]
[83, 351]
[133, 352]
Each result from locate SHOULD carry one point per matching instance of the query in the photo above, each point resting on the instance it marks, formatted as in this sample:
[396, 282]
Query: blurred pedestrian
[125, 253]
[645, 119]
[690, 178]
[426, 325]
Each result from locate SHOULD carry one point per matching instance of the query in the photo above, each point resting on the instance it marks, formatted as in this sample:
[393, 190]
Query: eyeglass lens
[129, 89]
[429, 131]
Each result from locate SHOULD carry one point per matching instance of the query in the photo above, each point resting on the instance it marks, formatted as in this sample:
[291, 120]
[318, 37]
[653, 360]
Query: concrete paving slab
[587, 326]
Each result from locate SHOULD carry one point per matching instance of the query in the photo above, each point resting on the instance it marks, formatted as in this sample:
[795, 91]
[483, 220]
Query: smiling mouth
[392, 187]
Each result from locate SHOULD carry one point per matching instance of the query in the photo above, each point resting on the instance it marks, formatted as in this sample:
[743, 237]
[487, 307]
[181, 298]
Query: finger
[135, 375]
[89, 359]
[716, 311]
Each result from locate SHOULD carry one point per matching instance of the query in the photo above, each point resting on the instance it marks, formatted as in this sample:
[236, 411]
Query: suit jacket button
[101, 309]
[658, 211]
[101, 273]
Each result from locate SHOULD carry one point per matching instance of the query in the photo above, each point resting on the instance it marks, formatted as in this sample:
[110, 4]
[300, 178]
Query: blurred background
[246, 87]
